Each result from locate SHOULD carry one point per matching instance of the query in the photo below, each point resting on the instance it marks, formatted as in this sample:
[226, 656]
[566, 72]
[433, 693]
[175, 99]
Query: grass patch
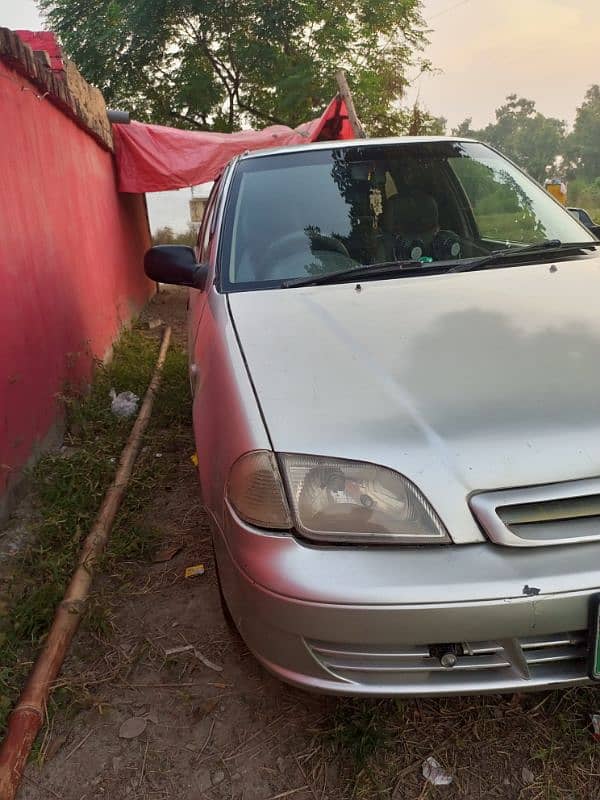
[488, 745]
[69, 487]
[358, 730]
[360, 738]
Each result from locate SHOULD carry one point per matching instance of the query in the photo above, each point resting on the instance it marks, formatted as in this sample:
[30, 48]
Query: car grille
[561, 654]
[560, 513]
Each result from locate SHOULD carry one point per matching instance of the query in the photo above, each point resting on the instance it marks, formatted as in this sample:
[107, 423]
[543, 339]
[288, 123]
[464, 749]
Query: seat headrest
[412, 213]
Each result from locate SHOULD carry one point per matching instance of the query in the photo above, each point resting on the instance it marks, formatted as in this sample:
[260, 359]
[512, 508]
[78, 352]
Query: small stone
[132, 727]
[203, 781]
[281, 763]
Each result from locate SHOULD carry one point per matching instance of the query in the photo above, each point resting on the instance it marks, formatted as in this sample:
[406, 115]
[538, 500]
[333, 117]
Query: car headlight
[256, 493]
[350, 501]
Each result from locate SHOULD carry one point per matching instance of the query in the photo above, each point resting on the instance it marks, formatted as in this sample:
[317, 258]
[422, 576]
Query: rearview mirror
[175, 264]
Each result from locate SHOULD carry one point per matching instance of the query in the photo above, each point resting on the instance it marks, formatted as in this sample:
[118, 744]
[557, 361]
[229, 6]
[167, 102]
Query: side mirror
[175, 264]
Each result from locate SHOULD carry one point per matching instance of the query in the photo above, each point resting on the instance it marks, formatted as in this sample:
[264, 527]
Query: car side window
[207, 227]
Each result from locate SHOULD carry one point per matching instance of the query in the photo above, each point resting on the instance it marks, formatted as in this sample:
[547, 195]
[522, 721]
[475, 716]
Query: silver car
[395, 363]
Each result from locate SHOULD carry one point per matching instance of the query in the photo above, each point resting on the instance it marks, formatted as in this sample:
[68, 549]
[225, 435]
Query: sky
[482, 50]
[545, 50]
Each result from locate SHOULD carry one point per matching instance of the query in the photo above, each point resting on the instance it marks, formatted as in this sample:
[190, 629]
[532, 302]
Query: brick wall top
[41, 62]
[44, 42]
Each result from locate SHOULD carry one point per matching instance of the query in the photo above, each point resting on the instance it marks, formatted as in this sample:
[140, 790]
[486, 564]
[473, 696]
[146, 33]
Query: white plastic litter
[124, 404]
[527, 775]
[435, 774]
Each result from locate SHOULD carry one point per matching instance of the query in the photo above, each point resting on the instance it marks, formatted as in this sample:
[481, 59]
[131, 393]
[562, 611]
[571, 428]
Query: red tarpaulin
[154, 158]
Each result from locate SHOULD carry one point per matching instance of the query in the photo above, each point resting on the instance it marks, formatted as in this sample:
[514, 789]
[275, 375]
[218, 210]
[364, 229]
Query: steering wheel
[286, 246]
[296, 243]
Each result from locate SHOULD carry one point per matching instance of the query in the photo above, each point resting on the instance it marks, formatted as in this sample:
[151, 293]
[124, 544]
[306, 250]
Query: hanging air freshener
[376, 202]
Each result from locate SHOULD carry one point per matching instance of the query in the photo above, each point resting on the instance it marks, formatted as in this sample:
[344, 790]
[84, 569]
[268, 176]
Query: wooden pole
[27, 717]
[344, 91]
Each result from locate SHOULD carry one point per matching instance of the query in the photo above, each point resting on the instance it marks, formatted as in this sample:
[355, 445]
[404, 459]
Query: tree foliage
[533, 140]
[420, 123]
[166, 235]
[221, 64]
[583, 145]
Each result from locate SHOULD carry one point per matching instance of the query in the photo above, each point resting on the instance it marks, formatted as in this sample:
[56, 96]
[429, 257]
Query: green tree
[465, 129]
[533, 140]
[422, 123]
[164, 235]
[583, 145]
[221, 64]
[167, 235]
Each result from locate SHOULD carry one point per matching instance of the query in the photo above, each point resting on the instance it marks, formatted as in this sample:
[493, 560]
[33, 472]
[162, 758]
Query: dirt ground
[213, 724]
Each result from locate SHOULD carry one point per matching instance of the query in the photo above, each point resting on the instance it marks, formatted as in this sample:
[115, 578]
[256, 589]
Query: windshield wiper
[360, 271]
[386, 267]
[552, 245]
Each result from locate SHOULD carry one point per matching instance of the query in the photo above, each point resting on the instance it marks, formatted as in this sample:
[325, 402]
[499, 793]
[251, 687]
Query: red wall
[71, 273]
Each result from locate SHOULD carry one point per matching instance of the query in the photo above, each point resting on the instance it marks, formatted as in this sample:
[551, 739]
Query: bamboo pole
[344, 91]
[27, 717]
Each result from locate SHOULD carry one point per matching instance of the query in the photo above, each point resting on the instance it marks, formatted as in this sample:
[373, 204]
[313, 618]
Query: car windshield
[319, 211]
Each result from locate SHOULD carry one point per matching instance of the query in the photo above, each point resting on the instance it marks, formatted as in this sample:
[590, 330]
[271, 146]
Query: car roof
[346, 143]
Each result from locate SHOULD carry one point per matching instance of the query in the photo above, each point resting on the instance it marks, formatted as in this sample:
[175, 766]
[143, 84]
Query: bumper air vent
[480, 666]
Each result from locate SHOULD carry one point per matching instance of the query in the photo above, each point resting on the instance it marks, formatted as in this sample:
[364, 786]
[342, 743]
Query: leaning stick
[344, 91]
[27, 717]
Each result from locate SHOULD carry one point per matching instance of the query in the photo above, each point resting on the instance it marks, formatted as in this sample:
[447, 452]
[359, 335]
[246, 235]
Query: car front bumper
[374, 621]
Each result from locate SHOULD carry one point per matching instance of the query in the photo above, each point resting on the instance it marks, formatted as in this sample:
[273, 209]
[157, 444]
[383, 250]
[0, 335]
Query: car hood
[462, 382]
